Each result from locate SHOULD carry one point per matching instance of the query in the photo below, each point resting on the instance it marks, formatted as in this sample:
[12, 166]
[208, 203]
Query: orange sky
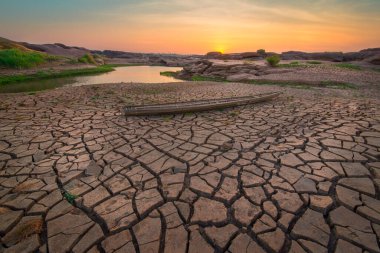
[195, 26]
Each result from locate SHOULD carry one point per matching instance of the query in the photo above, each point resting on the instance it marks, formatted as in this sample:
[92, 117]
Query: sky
[195, 26]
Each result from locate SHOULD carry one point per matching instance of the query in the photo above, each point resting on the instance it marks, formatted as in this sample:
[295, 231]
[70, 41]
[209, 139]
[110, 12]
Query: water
[136, 74]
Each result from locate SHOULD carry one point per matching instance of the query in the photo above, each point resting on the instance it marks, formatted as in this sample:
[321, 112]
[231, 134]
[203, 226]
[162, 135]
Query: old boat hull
[197, 106]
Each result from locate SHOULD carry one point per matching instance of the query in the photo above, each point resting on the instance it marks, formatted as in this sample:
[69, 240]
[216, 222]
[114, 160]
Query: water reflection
[137, 74]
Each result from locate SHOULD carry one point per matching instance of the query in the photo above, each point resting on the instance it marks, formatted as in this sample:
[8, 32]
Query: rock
[347, 197]
[8, 219]
[375, 60]
[93, 169]
[214, 55]
[290, 202]
[264, 224]
[245, 212]
[121, 240]
[29, 245]
[148, 242]
[312, 246]
[67, 228]
[240, 77]
[197, 243]
[305, 185]
[221, 235]
[244, 244]
[354, 228]
[313, 226]
[343, 246]
[355, 169]
[207, 210]
[270, 209]
[91, 237]
[364, 185]
[28, 226]
[320, 203]
[296, 248]
[250, 55]
[290, 160]
[274, 240]
[176, 240]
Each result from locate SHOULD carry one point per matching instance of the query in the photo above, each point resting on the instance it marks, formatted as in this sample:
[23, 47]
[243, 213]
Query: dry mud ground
[297, 174]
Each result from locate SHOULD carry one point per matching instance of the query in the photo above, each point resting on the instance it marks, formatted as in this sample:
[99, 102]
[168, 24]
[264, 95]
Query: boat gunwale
[173, 108]
[203, 101]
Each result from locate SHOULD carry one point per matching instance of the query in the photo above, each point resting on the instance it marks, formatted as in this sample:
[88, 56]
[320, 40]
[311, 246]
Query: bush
[17, 59]
[261, 51]
[273, 60]
[87, 58]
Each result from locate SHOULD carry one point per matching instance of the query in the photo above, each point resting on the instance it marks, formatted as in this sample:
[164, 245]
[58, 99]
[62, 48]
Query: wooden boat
[197, 106]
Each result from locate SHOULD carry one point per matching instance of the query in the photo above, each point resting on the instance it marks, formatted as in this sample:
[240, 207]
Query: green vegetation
[168, 73]
[87, 58]
[123, 65]
[289, 65]
[17, 59]
[49, 74]
[348, 66]
[273, 60]
[261, 51]
[314, 62]
[199, 78]
[69, 197]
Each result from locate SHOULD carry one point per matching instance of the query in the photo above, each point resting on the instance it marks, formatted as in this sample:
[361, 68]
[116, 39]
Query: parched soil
[297, 174]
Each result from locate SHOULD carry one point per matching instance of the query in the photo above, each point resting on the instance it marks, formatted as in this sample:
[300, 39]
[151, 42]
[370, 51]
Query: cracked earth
[297, 174]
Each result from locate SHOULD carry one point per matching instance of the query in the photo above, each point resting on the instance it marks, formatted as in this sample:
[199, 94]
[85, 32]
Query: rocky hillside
[371, 55]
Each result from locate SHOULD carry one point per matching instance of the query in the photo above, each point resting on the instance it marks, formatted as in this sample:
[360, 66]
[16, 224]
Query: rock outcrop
[230, 72]
[365, 54]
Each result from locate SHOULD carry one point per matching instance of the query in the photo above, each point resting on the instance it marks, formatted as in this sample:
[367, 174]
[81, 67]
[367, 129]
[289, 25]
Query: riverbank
[49, 74]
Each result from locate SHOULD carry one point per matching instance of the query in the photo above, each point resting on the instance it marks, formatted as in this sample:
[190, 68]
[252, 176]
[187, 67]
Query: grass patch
[198, 78]
[48, 74]
[87, 58]
[314, 62]
[348, 66]
[289, 65]
[168, 73]
[17, 59]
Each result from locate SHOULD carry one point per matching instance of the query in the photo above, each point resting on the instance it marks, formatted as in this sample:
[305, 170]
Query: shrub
[15, 58]
[273, 60]
[261, 51]
[87, 58]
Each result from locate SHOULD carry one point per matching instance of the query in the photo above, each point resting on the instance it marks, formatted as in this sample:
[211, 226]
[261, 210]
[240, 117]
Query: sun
[220, 48]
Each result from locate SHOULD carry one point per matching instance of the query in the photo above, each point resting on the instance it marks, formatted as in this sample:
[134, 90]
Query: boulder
[250, 55]
[240, 77]
[375, 60]
[214, 55]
